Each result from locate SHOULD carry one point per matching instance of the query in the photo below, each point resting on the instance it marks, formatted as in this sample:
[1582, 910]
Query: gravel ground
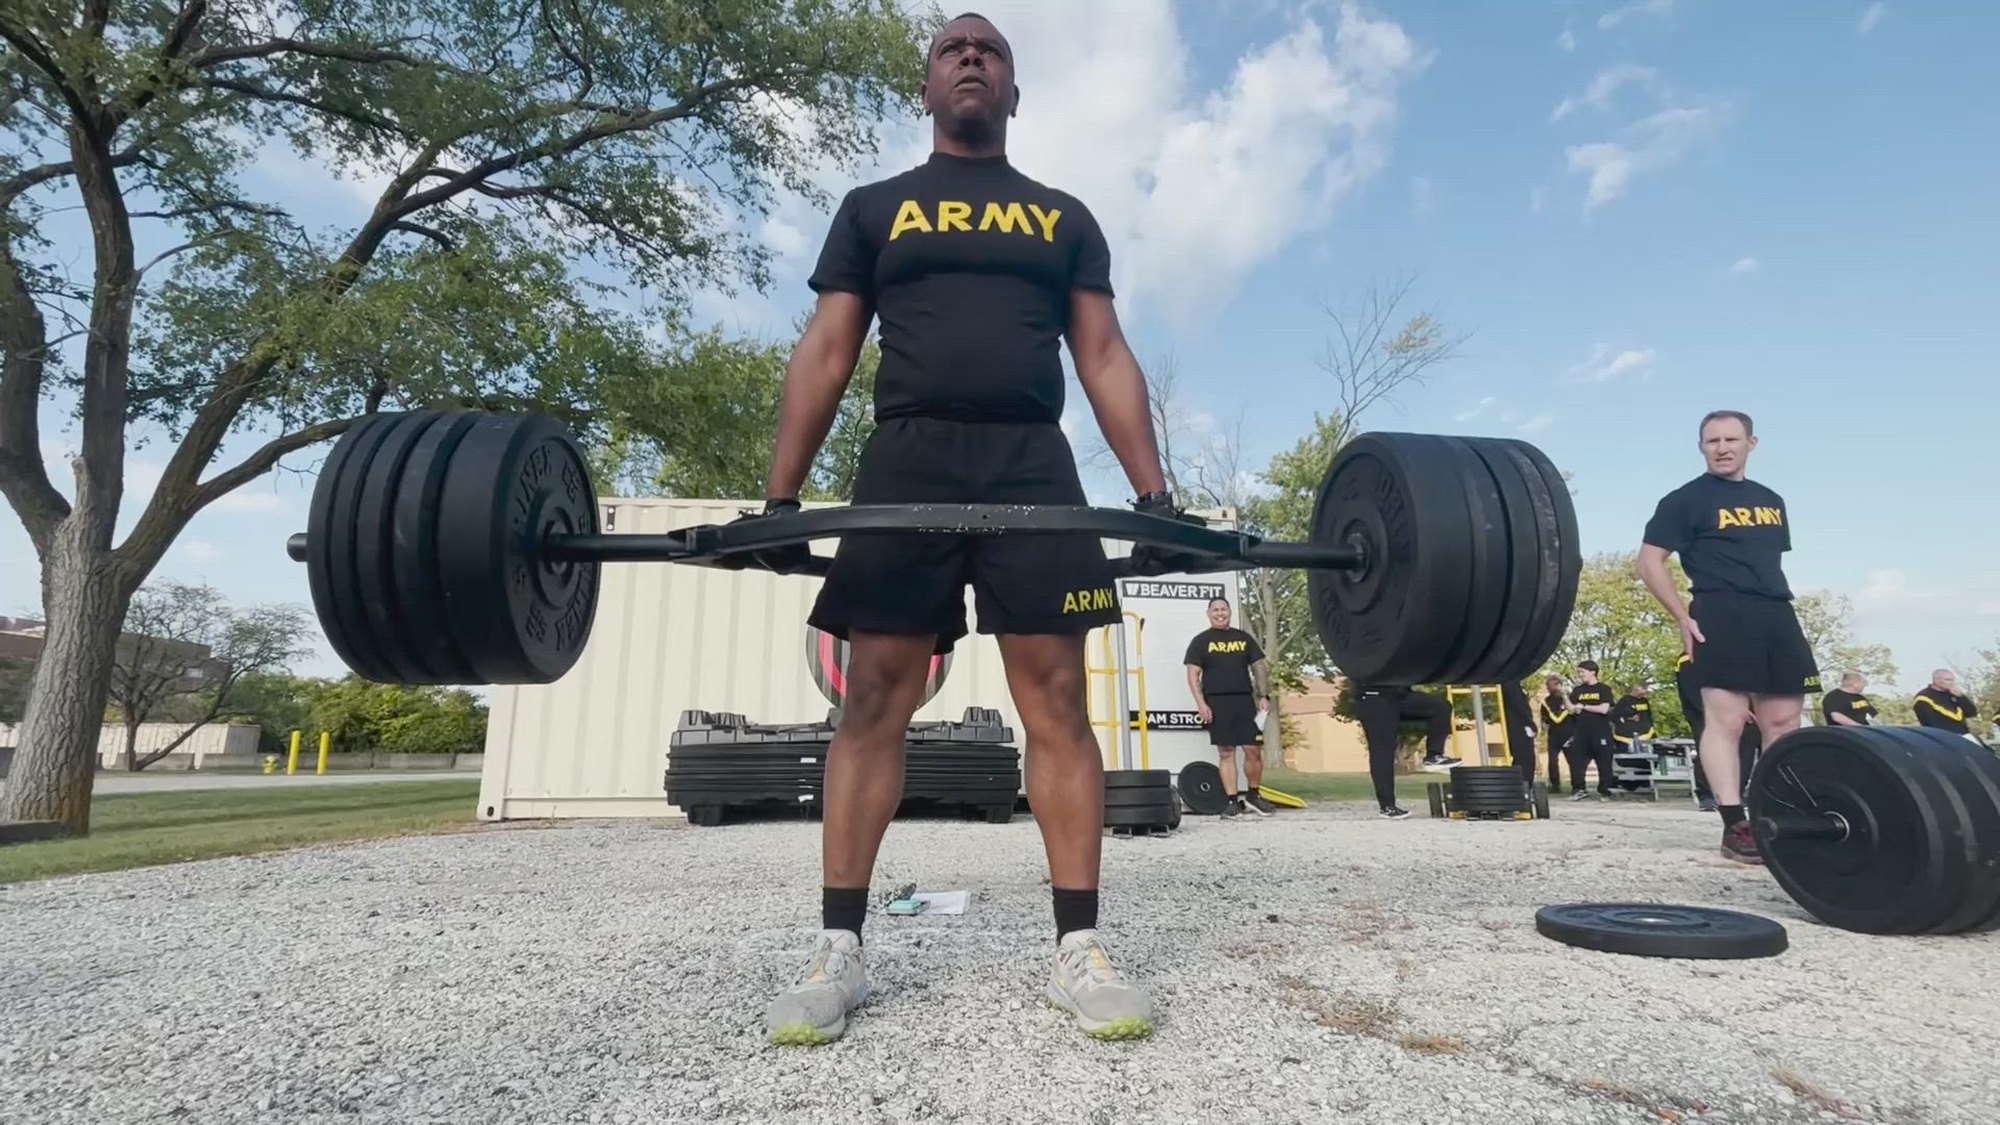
[1321, 965]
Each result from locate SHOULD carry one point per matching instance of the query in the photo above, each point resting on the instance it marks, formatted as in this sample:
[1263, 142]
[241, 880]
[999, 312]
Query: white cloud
[1604, 365]
[1870, 17]
[200, 550]
[1536, 424]
[1567, 40]
[1649, 144]
[1616, 16]
[1605, 86]
[1194, 187]
[1744, 265]
[1473, 412]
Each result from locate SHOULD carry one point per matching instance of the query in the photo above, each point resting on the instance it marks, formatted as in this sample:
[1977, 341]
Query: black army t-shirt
[1224, 657]
[1850, 704]
[1731, 535]
[1590, 695]
[969, 266]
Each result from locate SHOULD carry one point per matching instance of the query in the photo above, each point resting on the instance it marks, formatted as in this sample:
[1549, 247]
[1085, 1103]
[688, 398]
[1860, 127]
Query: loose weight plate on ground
[1470, 559]
[1660, 930]
[1881, 830]
[1200, 785]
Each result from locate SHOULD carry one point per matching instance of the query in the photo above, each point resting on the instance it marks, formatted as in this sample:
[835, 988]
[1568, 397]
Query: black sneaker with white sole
[1440, 765]
[1254, 801]
[1393, 813]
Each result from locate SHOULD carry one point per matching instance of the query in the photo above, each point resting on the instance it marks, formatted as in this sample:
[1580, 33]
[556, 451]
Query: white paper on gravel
[943, 902]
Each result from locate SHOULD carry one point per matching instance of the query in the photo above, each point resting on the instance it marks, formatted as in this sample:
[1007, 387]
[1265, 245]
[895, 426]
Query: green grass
[1311, 787]
[147, 829]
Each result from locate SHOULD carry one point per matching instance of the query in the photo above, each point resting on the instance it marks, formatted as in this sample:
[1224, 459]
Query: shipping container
[671, 638]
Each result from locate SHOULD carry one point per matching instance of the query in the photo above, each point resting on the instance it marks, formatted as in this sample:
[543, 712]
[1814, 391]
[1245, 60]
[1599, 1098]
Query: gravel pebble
[1317, 965]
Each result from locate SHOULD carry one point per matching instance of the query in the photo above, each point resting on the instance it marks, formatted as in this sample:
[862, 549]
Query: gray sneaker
[1088, 986]
[813, 1011]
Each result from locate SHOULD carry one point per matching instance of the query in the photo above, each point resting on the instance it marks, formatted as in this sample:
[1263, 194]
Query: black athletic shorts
[1752, 644]
[903, 582]
[1234, 720]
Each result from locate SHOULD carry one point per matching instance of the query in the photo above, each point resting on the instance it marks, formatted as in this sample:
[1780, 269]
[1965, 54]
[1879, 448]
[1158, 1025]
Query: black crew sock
[1075, 910]
[843, 908]
[1731, 814]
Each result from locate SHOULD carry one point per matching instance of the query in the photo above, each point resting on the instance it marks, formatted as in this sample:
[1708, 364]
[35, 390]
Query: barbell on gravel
[1882, 830]
[464, 547]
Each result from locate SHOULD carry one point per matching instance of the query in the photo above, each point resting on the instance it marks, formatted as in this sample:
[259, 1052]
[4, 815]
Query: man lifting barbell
[1746, 650]
[977, 273]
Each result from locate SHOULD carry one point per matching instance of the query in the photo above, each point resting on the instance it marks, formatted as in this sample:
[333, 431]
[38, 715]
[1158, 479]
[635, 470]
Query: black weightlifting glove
[791, 559]
[1148, 560]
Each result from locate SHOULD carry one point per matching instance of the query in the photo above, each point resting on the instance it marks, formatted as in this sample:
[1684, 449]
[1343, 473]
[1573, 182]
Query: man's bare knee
[885, 681]
[1046, 676]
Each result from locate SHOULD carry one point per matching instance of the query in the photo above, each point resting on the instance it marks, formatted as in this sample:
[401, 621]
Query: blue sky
[1641, 211]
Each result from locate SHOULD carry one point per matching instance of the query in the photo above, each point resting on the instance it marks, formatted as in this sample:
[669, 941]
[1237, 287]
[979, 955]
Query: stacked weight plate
[721, 763]
[1488, 793]
[1140, 801]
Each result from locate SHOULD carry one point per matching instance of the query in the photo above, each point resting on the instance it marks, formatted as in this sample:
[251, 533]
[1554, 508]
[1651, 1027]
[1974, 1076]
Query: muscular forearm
[1124, 416]
[1653, 573]
[1194, 686]
[815, 379]
[1260, 676]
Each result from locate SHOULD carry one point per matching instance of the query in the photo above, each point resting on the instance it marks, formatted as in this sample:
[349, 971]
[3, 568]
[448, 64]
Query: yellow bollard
[325, 742]
[292, 760]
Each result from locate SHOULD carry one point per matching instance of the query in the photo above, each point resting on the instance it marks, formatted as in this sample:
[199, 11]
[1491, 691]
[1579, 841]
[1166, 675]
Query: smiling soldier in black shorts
[1227, 675]
[978, 274]
[1746, 650]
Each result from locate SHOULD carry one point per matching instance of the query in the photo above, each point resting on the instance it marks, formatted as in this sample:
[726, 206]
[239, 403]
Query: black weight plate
[1521, 557]
[1200, 786]
[1658, 930]
[328, 604]
[1541, 801]
[1554, 517]
[348, 596]
[1901, 867]
[1142, 816]
[1972, 776]
[1139, 779]
[1486, 573]
[420, 599]
[1435, 792]
[377, 567]
[1137, 798]
[514, 480]
[1394, 620]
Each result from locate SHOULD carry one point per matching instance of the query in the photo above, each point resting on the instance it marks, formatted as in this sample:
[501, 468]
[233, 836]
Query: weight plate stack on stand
[1882, 830]
[1140, 802]
[1489, 793]
[722, 763]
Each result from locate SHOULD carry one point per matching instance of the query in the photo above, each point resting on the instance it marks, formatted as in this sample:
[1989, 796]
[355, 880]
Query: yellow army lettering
[1090, 601]
[1749, 517]
[954, 215]
[1227, 646]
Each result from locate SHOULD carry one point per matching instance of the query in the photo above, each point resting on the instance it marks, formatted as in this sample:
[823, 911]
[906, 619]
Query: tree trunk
[1274, 739]
[131, 746]
[56, 761]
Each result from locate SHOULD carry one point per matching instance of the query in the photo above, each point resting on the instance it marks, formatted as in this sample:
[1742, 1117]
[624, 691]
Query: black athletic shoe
[1439, 765]
[1391, 812]
[1232, 808]
[1707, 804]
[1254, 801]
[1739, 844]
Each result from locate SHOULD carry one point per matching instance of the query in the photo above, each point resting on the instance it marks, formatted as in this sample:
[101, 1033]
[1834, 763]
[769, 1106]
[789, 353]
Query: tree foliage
[1827, 621]
[708, 435]
[394, 719]
[518, 152]
[184, 652]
